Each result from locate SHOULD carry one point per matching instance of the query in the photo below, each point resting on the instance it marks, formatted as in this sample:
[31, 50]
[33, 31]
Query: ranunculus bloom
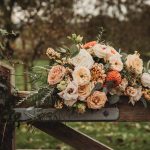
[134, 63]
[81, 75]
[56, 74]
[89, 44]
[84, 91]
[104, 51]
[70, 94]
[97, 100]
[114, 76]
[83, 59]
[145, 80]
[115, 63]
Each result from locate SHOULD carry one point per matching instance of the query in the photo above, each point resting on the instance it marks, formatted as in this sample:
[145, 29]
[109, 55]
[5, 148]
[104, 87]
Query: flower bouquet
[87, 76]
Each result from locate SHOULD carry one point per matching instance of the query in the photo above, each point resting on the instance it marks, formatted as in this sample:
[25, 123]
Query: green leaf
[97, 87]
[105, 90]
[114, 99]
[144, 102]
[74, 50]
[3, 32]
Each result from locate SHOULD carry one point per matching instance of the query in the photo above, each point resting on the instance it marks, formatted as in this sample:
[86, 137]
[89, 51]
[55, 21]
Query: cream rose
[97, 100]
[84, 91]
[131, 91]
[137, 97]
[100, 50]
[83, 59]
[70, 94]
[56, 74]
[104, 51]
[145, 80]
[134, 94]
[116, 63]
[81, 75]
[134, 63]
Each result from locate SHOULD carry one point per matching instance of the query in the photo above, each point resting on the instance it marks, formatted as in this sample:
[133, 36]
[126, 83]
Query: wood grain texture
[130, 113]
[70, 136]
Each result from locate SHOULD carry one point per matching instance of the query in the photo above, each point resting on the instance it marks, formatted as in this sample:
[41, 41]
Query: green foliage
[113, 99]
[144, 102]
[97, 87]
[76, 39]
[119, 136]
[39, 98]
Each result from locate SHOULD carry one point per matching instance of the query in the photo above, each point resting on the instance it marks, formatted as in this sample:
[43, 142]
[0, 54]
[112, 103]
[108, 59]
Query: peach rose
[97, 100]
[134, 63]
[70, 94]
[56, 74]
[84, 91]
[81, 75]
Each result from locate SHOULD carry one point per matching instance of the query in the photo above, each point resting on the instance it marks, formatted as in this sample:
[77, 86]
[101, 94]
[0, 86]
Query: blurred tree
[40, 24]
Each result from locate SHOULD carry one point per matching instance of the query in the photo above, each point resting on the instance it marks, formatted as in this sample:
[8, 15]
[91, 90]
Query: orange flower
[114, 76]
[89, 44]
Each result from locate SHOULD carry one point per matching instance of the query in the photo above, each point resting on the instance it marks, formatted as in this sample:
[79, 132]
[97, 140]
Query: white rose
[104, 51]
[116, 63]
[70, 94]
[145, 80]
[81, 75]
[134, 63]
[83, 59]
[100, 50]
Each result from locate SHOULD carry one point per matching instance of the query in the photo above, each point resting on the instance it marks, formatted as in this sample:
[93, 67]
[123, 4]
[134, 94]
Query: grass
[120, 136]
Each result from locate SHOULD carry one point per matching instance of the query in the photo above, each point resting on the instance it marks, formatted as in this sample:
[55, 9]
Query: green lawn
[120, 136]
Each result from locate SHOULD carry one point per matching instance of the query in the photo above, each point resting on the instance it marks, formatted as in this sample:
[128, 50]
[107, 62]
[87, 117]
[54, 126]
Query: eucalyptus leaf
[74, 50]
[114, 99]
[97, 87]
[144, 102]
[105, 90]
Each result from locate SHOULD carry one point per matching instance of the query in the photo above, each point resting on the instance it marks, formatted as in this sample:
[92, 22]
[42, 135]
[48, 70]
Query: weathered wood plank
[105, 114]
[70, 136]
[130, 113]
[127, 112]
